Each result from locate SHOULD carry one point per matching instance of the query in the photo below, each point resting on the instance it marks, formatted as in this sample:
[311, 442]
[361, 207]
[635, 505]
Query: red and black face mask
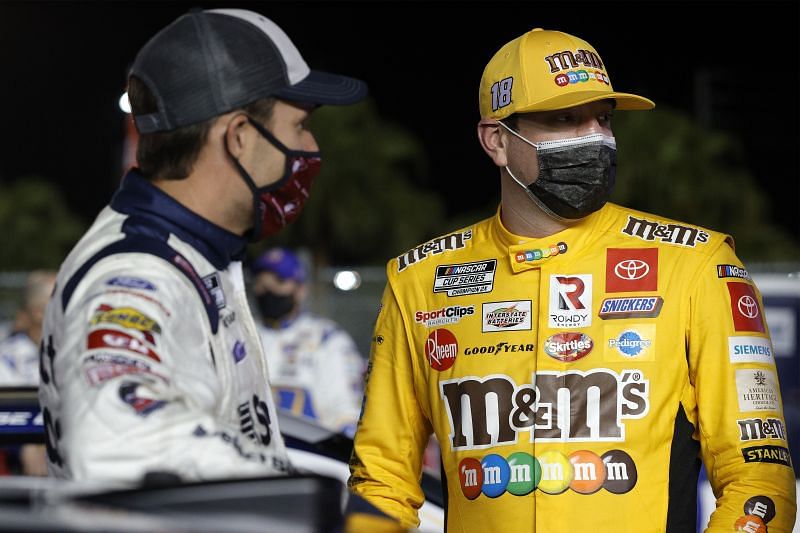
[279, 204]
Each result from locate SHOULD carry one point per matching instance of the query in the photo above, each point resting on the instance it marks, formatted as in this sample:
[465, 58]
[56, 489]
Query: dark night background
[732, 65]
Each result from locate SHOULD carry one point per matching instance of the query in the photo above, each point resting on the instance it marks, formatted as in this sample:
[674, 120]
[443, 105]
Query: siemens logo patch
[636, 307]
[465, 278]
[750, 350]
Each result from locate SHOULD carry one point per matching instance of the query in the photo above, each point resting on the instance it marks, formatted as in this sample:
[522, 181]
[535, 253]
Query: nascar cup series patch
[465, 278]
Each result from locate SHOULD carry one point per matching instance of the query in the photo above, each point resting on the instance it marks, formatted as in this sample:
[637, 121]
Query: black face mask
[275, 306]
[576, 176]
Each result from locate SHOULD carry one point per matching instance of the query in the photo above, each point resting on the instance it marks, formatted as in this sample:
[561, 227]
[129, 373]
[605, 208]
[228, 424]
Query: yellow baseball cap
[544, 70]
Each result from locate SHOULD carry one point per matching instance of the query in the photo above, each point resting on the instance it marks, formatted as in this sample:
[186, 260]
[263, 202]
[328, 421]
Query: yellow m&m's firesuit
[575, 382]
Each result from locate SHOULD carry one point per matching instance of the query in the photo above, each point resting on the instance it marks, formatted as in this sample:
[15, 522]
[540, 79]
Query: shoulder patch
[439, 245]
[672, 233]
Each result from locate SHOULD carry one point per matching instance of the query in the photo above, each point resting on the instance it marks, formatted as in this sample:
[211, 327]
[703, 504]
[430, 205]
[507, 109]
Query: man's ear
[493, 141]
[237, 134]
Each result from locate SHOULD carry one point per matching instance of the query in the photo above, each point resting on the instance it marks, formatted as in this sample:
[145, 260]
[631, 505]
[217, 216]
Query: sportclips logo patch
[649, 230]
[506, 316]
[441, 349]
[465, 278]
[490, 411]
[445, 315]
[552, 472]
[631, 269]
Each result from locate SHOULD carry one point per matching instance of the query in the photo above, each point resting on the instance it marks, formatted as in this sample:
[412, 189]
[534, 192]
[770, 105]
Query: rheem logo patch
[441, 349]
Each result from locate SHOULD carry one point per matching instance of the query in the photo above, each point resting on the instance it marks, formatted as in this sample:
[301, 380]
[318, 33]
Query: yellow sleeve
[392, 432]
[739, 416]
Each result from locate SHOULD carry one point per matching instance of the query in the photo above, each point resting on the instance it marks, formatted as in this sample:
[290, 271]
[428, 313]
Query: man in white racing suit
[150, 359]
[314, 366]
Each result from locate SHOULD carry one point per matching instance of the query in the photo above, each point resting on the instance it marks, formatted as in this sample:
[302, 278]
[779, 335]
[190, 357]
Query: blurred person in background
[19, 366]
[19, 352]
[314, 366]
[151, 360]
[575, 358]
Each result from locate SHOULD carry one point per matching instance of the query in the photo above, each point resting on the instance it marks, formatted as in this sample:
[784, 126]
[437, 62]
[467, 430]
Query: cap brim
[325, 88]
[625, 101]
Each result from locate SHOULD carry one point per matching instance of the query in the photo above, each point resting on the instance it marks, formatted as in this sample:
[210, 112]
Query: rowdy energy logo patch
[570, 301]
[506, 316]
[465, 278]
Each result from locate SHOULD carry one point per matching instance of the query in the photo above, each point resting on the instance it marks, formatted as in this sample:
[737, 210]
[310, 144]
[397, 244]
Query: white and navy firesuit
[151, 359]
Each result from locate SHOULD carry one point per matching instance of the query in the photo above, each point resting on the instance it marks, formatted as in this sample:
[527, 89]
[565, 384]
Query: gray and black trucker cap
[207, 63]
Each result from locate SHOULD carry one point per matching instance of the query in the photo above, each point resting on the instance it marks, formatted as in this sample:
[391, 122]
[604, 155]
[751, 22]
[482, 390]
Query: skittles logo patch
[552, 472]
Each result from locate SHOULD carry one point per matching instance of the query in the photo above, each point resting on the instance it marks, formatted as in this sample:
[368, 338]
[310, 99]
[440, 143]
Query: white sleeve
[132, 387]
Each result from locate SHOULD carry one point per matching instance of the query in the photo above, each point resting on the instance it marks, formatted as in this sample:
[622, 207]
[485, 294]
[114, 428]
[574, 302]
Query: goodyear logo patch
[465, 278]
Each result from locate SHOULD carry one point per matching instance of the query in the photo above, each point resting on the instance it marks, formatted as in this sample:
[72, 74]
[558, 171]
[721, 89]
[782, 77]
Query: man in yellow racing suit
[575, 359]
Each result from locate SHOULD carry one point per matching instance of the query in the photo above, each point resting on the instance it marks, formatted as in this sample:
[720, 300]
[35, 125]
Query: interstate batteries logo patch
[506, 316]
[465, 278]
